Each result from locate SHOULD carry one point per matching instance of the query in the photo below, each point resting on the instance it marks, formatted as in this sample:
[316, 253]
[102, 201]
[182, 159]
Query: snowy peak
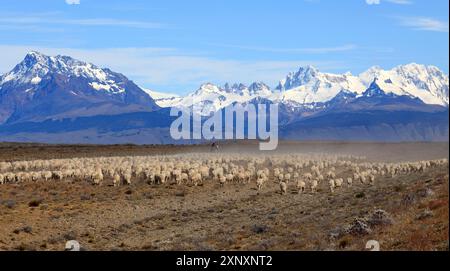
[42, 87]
[308, 86]
[303, 76]
[233, 90]
[34, 57]
[259, 89]
[427, 83]
[212, 97]
[36, 67]
[375, 90]
[237, 88]
[208, 88]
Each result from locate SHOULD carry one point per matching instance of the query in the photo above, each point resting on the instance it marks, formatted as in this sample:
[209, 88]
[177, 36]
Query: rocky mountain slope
[43, 87]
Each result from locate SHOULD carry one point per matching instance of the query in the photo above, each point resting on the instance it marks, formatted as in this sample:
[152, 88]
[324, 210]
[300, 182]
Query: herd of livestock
[304, 172]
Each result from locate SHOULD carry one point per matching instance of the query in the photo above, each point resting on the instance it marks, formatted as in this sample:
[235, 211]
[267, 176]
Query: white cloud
[373, 2]
[169, 70]
[399, 2]
[45, 20]
[423, 23]
[73, 2]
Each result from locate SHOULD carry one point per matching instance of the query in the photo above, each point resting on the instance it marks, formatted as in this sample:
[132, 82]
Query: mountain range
[58, 99]
[309, 88]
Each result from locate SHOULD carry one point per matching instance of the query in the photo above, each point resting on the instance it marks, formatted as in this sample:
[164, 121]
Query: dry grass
[208, 217]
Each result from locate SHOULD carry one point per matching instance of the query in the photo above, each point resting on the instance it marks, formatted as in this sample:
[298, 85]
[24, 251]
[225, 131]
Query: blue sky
[175, 45]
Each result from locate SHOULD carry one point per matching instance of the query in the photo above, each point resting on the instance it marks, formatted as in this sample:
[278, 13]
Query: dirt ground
[43, 216]
[389, 152]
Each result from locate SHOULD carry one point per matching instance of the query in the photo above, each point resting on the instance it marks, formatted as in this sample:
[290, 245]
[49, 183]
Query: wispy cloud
[170, 70]
[46, 20]
[73, 2]
[315, 50]
[31, 28]
[399, 2]
[111, 22]
[423, 23]
[372, 2]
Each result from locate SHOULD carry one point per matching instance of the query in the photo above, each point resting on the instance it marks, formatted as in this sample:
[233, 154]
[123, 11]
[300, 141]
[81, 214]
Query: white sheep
[283, 188]
[331, 175]
[314, 184]
[46, 175]
[280, 177]
[307, 176]
[127, 177]
[184, 177]
[222, 180]
[218, 172]
[349, 181]
[196, 179]
[116, 179]
[371, 179]
[165, 176]
[287, 177]
[259, 183]
[332, 185]
[320, 178]
[301, 186]
[362, 178]
[97, 177]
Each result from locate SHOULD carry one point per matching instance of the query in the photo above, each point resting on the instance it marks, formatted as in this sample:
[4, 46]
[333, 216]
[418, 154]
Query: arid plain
[403, 211]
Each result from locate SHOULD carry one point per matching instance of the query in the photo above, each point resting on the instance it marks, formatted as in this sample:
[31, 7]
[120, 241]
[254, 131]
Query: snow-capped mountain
[259, 89]
[42, 87]
[427, 83]
[64, 100]
[162, 99]
[308, 88]
[209, 97]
